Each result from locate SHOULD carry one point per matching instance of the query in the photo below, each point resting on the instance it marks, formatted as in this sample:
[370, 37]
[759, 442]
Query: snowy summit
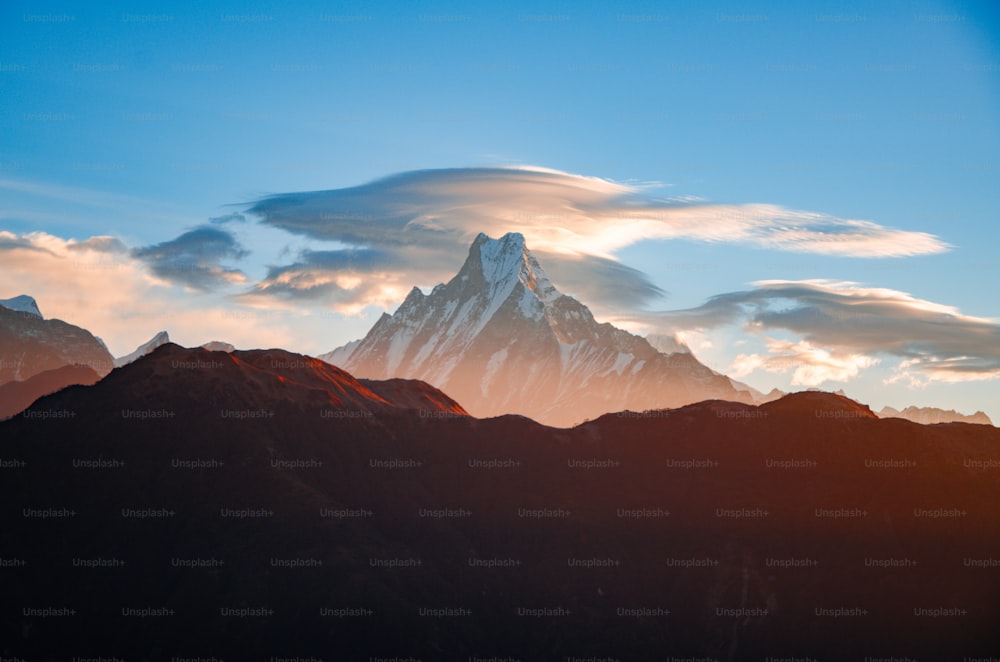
[161, 338]
[500, 338]
[22, 304]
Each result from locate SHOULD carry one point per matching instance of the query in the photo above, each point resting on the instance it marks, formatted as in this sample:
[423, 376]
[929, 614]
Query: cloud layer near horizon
[845, 327]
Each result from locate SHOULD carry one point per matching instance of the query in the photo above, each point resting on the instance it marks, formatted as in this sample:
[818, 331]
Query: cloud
[98, 284]
[234, 217]
[573, 223]
[99, 244]
[73, 194]
[810, 366]
[844, 326]
[349, 279]
[194, 258]
[24, 195]
[600, 280]
[10, 241]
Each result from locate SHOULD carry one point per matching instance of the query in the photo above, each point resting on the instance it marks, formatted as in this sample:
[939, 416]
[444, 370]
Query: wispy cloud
[30, 191]
[233, 217]
[575, 224]
[73, 194]
[194, 258]
[844, 327]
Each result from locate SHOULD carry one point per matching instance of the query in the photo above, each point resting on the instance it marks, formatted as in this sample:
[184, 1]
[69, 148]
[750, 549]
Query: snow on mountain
[218, 346]
[500, 338]
[931, 415]
[22, 304]
[142, 350]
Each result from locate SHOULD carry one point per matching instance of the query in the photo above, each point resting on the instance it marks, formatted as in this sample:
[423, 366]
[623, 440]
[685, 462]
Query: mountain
[30, 344]
[819, 404]
[929, 415]
[263, 504]
[256, 380]
[502, 339]
[161, 338]
[24, 304]
[16, 396]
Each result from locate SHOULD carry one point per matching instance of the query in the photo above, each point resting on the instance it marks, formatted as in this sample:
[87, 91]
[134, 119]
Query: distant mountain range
[31, 344]
[261, 504]
[931, 415]
[16, 396]
[40, 356]
[161, 338]
[500, 338]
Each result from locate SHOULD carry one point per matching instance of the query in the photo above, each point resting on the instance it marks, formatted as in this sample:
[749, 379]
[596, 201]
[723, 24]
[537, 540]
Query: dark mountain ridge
[276, 487]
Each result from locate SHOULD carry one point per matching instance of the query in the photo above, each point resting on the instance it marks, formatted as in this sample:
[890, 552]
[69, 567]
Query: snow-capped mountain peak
[22, 304]
[506, 261]
[142, 350]
[499, 258]
[503, 339]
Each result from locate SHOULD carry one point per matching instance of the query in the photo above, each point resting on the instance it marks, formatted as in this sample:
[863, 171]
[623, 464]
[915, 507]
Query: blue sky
[142, 121]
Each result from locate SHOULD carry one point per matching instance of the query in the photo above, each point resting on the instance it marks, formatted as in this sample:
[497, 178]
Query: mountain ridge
[932, 415]
[16, 396]
[251, 380]
[160, 338]
[447, 491]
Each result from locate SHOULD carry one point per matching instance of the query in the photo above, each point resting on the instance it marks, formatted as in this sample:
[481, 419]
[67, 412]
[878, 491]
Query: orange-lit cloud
[810, 366]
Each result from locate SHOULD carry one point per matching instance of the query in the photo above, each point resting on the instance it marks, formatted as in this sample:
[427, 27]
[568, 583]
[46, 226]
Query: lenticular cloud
[413, 227]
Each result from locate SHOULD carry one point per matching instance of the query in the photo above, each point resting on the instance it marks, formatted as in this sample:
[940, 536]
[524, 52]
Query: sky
[807, 195]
